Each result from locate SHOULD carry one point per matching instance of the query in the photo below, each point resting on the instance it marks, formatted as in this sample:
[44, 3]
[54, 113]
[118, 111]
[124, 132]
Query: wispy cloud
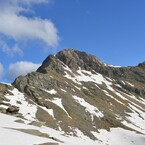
[19, 27]
[10, 51]
[21, 68]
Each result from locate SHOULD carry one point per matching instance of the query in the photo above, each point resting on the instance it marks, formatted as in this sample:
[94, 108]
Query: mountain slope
[75, 93]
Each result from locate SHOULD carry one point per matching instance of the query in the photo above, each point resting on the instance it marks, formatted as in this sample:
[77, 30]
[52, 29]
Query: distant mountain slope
[77, 94]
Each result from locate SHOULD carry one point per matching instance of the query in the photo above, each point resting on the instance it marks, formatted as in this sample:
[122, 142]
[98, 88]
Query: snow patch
[114, 66]
[112, 97]
[94, 111]
[4, 106]
[52, 92]
[136, 119]
[87, 76]
[121, 96]
[130, 84]
[50, 111]
[58, 102]
[119, 136]
[63, 90]
[123, 82]
[26, 109]
[96, 78]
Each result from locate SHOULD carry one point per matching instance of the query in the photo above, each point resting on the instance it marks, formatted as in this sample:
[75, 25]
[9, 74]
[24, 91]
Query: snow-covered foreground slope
[9, 135]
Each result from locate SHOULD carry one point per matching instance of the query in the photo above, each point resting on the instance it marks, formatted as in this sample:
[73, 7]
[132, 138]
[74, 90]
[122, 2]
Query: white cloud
[21, 28]
[1, 70]
[20, 5]
[21, 68]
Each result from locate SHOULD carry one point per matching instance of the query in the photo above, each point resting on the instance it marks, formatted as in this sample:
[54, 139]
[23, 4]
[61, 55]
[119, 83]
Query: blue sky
[30, 30]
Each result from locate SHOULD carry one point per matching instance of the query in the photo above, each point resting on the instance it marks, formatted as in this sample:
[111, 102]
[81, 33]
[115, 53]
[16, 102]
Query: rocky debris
[2, 110]
[4, 89]
[12, 109]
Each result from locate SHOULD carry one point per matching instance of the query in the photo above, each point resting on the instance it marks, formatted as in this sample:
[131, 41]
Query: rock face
[73, 59]
[74, 91]
[12, 109]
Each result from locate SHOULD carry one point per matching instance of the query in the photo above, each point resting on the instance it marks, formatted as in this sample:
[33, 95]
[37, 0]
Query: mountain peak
[74, 59]
[75, 55]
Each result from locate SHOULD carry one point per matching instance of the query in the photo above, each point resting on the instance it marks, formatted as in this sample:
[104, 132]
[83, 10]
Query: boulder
[12, 109]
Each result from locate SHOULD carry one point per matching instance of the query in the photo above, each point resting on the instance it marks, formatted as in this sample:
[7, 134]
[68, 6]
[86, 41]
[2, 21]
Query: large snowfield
[9, 135]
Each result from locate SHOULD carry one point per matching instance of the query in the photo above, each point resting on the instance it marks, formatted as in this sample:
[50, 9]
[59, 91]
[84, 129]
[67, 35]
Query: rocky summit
[80, 97]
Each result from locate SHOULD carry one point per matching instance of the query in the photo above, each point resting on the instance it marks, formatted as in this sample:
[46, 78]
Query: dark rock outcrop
[12, 109]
